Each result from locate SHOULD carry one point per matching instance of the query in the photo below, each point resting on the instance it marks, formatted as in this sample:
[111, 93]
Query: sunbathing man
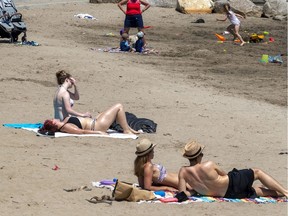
[207, 178]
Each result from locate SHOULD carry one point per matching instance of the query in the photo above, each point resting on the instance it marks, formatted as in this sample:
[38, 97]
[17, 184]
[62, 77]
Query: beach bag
[129, 192]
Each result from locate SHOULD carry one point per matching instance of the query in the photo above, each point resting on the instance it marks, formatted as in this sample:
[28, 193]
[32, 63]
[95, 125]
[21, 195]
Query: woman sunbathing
[80, 125]
[152, 176]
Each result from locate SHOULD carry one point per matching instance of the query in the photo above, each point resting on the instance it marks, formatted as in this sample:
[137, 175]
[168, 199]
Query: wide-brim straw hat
[144, 147]
[192, 149]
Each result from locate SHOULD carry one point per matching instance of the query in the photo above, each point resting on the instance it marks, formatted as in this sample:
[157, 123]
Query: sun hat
[140, 34]
[192, 149]
[144, 147]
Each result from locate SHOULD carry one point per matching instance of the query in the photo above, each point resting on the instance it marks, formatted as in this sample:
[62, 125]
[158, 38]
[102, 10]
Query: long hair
[139, 165]
[48, 127]
[226, 7]
[61, 76]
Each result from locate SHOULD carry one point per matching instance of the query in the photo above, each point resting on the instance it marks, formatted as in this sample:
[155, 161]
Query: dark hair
[48, 128]
[61, 76]
[227, 6]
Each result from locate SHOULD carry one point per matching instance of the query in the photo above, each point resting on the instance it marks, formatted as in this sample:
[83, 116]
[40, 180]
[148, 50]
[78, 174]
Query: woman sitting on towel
[80, 125]
[64, 99]
[152, 176]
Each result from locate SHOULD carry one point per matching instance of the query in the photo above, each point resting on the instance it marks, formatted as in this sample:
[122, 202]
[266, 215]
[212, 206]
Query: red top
[133, 7]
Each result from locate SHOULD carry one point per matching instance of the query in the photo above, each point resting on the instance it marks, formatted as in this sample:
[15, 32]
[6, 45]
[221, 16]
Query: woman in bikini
[80, 125]
[64, 99]
[152, 176]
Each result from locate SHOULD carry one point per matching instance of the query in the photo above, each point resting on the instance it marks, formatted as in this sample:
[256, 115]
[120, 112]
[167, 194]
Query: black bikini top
[73, 120]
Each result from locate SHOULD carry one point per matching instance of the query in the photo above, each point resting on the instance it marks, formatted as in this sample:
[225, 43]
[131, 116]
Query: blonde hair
[139, 163]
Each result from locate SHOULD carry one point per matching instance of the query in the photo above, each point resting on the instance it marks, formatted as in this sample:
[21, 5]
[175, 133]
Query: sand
[217, 93]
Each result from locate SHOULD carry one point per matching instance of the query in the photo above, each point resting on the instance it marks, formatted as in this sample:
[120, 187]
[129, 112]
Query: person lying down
[80, 125]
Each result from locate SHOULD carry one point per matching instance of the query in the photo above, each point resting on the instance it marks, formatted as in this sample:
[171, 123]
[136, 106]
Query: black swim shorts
[133, 21]
[240, 184]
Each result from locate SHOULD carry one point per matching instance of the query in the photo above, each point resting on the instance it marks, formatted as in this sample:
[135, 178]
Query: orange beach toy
[220, 37]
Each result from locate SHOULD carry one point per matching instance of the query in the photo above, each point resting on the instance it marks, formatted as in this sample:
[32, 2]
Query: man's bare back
[206, 178]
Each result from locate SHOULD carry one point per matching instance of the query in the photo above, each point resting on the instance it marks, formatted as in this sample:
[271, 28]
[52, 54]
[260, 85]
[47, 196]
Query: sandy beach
[217, 93]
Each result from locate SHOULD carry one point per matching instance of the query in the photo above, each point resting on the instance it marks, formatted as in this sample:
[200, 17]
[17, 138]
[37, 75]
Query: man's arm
[182, 182]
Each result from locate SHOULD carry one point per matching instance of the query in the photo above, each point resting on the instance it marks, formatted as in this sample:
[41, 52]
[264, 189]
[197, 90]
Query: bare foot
[242, 44]
[131, 131]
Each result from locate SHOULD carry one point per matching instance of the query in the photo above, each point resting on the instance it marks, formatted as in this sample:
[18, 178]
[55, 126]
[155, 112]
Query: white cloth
[233, 18]
[85, 16]
[111, 134]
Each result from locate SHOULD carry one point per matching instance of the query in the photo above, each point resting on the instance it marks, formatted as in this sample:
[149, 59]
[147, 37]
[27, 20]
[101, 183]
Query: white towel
[85, 16]
[111, 134]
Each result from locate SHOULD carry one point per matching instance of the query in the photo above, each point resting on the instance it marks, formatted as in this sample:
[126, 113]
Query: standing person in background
[64, 99]
[133, 14]
[235, 23]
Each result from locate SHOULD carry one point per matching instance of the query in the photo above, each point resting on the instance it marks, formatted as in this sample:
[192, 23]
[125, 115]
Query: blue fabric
[24, 125]
[133, 21]
[139, 45]
[124, 46]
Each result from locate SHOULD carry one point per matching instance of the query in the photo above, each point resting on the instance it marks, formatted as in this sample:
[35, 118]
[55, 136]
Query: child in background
[140, 42]
[235, 26]
[124, 43]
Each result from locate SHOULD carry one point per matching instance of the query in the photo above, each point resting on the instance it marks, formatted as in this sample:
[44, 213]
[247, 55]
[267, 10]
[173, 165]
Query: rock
[243, 7]
[163, 3]
[275, 7]
[280, 17]
[194, 6]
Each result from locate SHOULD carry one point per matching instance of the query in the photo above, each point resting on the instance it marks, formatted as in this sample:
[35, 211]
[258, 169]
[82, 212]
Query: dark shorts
[240, 184]
[133, 21]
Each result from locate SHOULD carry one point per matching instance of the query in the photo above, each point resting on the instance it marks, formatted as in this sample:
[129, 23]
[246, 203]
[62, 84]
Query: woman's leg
[106, 118]
[273, 187]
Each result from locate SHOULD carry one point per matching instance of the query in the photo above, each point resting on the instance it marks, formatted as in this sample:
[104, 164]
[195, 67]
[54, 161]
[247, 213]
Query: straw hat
[144, 147]
[192, 150]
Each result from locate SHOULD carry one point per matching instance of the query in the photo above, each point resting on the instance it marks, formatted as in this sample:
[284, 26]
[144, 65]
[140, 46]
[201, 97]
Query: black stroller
[11, 24]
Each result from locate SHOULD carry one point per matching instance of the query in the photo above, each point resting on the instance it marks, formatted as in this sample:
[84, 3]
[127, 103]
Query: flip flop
[104, 199]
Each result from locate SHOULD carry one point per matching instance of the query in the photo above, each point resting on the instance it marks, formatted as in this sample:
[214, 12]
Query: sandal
[104, 199]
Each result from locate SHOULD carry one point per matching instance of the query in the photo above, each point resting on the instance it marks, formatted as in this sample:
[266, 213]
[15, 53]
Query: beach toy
[237, 41]
[145, 27]
[271, 39]
[220, 37]
[266, 33]
[220, 41]
[265, 58]
[160, 193]
[107, 182]
[170, 199]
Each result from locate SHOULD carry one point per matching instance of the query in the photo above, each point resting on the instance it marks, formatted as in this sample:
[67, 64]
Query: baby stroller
[11, 24]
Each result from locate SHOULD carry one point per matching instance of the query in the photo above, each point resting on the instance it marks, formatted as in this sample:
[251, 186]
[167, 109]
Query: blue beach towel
[24, 125]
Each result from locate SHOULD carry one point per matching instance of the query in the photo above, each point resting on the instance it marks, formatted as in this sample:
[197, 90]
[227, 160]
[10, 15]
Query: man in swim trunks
[207, 178]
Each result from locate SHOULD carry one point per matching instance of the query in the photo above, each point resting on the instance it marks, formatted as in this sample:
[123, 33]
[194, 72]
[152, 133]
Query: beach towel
[35, 126]
[168, 197]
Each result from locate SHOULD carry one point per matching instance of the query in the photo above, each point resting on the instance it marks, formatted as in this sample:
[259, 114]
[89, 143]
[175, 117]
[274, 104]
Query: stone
[194, 6]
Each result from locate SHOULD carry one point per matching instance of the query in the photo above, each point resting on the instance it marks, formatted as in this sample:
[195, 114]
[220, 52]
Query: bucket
[265, 58]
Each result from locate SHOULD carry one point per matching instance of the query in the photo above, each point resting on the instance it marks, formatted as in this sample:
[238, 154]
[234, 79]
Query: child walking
[235, 23]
